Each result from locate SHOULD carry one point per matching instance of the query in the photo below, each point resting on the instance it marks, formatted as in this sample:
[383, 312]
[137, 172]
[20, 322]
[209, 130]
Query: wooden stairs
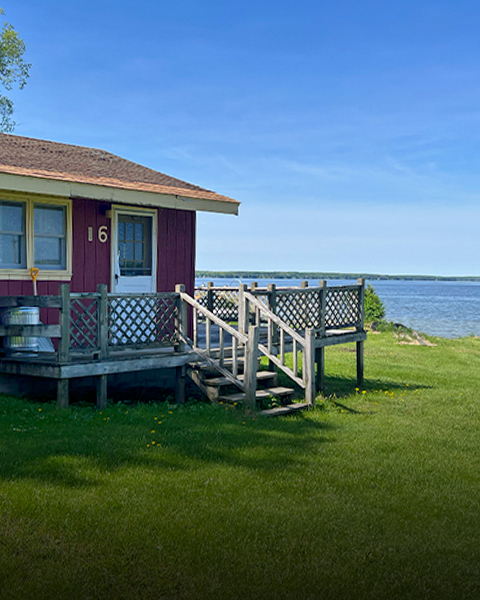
[220, 389]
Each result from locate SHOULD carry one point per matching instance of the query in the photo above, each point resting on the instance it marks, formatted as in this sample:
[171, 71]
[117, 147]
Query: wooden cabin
[102, 251]
[87, 217]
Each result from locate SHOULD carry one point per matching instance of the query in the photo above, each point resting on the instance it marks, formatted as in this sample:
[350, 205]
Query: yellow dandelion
[153, 431]
[364, 392]
[170, 412]
[159, 422]
[156, 418]
[148, 445]
[357, 389]
[153, 443]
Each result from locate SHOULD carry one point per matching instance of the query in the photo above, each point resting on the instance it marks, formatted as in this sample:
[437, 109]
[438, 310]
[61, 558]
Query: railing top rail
[233, 332]
[350, 286]
[40, 301]
[221, 288]
[142, 295]
[277, 320]
[84, 295]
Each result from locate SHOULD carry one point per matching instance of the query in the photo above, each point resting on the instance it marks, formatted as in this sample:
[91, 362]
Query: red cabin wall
[176, 249]
[91, 260]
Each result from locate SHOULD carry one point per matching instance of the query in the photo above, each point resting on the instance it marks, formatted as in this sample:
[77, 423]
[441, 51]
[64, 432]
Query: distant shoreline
[314, 275]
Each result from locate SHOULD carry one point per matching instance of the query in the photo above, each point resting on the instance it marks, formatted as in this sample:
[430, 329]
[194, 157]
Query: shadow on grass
[80, 447]
[343, 387]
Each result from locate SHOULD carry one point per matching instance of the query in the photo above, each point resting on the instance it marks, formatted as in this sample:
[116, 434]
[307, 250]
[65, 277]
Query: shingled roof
[29, 157]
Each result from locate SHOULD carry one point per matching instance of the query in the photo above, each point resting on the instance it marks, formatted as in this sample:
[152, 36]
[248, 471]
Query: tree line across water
[317, 275]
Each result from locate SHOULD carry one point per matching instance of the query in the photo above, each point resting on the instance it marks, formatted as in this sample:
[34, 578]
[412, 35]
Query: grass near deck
[374, 495]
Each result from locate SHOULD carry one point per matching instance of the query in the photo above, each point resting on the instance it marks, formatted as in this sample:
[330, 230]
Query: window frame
[22, 273]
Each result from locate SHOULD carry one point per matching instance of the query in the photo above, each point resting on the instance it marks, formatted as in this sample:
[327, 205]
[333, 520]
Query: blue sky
[350, 131]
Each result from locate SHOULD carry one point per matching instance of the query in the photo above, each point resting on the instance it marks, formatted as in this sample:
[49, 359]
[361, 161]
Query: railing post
[361, 303]
[181, 325]
[251, 359]
[309, 367]
[256, 320]
[64, 345]
[243, 309]
[272, 327]
[102, 314]
[323, 306]
[304, 284]
[210, 298]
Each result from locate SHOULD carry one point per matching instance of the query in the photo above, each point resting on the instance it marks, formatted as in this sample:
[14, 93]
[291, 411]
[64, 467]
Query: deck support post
[101, 383]
[180, 376]
[309, 368]
[360, 327]
[62, 393]
[251, 360]
[320, 374]
[360, 363]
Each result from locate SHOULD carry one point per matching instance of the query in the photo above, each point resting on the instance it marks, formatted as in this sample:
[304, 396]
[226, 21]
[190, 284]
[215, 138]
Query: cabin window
[12, 235]
[49, 236]
[35, 234]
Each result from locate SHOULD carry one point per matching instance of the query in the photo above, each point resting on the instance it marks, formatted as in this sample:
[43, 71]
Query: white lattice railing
[320, 308]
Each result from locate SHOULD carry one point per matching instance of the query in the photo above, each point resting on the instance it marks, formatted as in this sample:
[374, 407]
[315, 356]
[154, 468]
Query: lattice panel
[201, 296]
[225, 304]
[141, 320]
[83, 324]
[343, 308]
[300, 311]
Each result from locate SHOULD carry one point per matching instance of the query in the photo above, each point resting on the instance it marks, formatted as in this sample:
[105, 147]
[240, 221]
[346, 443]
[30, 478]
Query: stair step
[260, 394]
[261, 375]
[219, 381]
[288, 409]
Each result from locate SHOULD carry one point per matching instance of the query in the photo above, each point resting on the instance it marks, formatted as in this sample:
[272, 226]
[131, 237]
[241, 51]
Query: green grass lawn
[376, 494]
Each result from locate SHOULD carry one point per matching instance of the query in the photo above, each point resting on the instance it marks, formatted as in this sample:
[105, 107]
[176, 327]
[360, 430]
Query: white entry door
[134, 245]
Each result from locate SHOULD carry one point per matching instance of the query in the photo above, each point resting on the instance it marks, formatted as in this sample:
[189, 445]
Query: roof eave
[75, 190]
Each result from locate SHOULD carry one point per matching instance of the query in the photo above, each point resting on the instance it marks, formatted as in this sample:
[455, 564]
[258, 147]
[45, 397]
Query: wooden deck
[100, 335]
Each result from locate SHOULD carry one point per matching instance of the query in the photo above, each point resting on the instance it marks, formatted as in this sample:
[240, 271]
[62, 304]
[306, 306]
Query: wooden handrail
[241, 337]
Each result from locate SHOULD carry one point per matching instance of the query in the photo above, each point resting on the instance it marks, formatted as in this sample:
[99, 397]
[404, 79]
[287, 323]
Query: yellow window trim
[46, 274]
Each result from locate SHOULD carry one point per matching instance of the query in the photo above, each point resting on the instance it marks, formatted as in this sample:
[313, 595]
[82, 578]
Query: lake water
[443, 308]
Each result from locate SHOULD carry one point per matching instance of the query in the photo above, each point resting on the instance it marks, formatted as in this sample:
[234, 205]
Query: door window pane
[12, 235]
[49, 236]
[135, 245]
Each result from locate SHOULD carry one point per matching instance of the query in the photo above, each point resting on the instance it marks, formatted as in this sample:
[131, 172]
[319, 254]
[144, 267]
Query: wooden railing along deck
[100, 334]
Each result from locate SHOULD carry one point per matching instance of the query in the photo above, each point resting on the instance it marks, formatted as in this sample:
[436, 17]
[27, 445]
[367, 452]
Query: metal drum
[22, 315]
